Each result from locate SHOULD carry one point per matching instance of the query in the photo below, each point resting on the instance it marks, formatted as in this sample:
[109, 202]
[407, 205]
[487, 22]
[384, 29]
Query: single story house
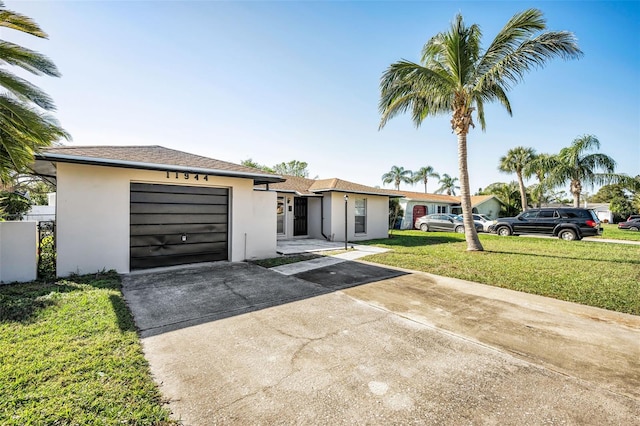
[317, 208]
[417, 204]
[138, 207]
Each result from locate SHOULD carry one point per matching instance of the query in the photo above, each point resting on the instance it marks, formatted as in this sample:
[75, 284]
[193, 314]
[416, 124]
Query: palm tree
[456, 77]
[448, 185]
[516, 161]
[540, 166]
[396, 176]
[576, 165]
[423, 175]
[24, 128]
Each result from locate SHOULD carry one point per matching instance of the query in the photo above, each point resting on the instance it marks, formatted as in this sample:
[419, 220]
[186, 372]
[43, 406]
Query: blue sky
[277, 81]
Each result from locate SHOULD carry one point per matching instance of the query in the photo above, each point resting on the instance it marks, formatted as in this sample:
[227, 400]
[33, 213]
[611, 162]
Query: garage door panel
[157, 261]
[171, 198]
[195, 228]
[177, 249]
[160, 215]
[154, 240]
[160, 219]
[178, 189]
[155, 208]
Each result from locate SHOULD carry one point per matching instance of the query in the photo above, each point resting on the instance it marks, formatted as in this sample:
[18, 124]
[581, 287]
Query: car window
[529, 215]
[580, 213]
[547, 214]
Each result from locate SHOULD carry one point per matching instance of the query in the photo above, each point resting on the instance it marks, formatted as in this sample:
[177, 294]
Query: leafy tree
[397, 175]
[24, 128]
[292, 168]
[250, 163]
[516, 162]
[509, 194]
[455, 76]
[447, 184]
[577, 165]
[13, 205]
[423, 175]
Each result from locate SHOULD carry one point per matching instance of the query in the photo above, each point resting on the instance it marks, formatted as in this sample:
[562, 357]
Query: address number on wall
[186, 176]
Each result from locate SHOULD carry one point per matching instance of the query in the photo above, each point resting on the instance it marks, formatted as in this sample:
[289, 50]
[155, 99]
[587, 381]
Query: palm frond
[27, 59]
[23, 89]
[19, 22]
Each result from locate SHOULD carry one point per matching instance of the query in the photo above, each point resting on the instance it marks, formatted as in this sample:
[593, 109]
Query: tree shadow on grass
[22, 302]
[599, 259]
[425, 239]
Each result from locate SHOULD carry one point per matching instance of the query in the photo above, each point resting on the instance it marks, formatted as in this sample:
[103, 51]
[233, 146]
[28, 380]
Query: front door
[418, 212]
[299, 216]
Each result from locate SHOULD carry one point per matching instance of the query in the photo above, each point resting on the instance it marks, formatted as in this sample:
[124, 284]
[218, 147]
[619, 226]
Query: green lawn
[70, 354]
[612, 232]
[605, 275]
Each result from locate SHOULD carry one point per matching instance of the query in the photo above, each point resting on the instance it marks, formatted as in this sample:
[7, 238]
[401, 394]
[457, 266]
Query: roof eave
[258, 178]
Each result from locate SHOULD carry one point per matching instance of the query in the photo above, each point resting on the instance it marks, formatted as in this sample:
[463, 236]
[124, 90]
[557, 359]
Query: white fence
[18, 251]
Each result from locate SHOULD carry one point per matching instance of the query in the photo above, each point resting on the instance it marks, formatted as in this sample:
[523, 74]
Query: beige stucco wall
[491, 208]
[261, 238]
[18, 251]
[93, 216]
[377, 217]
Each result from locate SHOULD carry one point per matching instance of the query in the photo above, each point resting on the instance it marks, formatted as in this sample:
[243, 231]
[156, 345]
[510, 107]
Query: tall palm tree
[576, 165]
[397, 175]
[516, 161]
[24, 127]
[448, 185]
[456, 77]
[423, 176]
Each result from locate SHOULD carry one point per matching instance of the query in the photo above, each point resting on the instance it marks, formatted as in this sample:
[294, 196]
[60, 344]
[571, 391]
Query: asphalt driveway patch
[348, 274]
[171, 300]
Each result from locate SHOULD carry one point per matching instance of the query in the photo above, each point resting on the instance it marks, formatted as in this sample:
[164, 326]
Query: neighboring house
[316, 208]
[43, 213]
[138, 207]
[602, 211]
[417, 204]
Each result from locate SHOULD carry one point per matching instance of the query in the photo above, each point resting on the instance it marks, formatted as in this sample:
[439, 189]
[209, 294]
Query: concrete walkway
[410, 349]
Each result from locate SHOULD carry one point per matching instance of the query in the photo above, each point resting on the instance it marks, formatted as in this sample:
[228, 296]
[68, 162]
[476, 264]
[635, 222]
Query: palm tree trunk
[425, 186]
[576, 189]
[470, 233]
[523, 192]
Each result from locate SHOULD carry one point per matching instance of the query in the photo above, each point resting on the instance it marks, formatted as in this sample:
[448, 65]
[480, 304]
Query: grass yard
[604, 275]
[612, 232]
[70, 355]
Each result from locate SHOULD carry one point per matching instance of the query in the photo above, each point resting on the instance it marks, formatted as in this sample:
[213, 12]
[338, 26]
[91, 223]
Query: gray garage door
[176, 225]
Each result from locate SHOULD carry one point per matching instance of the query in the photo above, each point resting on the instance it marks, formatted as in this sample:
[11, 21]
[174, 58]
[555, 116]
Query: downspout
[322, 218]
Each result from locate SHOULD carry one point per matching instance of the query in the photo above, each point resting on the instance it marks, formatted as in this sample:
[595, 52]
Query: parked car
[566, 223]
[442, 222]
[633, 216]
[631, 224]
[482, 220]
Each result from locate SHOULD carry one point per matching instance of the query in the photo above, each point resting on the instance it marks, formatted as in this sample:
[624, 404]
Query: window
[280, 215]
[546, 214]
[361, 215]
[442, 209]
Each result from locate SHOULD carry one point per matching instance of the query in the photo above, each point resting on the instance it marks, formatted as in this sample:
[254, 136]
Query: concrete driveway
[409, 348]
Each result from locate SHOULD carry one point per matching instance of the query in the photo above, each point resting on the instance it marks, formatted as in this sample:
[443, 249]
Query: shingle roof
[304, 186]
[152, 157]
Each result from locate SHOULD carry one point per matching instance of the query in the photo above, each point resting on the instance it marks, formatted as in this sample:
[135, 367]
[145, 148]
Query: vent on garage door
[175, 225]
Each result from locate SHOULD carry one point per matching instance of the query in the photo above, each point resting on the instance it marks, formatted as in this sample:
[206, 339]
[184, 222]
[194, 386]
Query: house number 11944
[187, 176]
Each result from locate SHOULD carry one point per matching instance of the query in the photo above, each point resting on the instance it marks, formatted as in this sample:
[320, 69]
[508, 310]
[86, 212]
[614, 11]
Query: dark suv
[566, 223]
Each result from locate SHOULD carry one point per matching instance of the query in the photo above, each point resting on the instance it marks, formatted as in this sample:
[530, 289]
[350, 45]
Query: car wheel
[460, 229]
[634, 228]
[567, 235]
[503, 231]
[424, 227]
